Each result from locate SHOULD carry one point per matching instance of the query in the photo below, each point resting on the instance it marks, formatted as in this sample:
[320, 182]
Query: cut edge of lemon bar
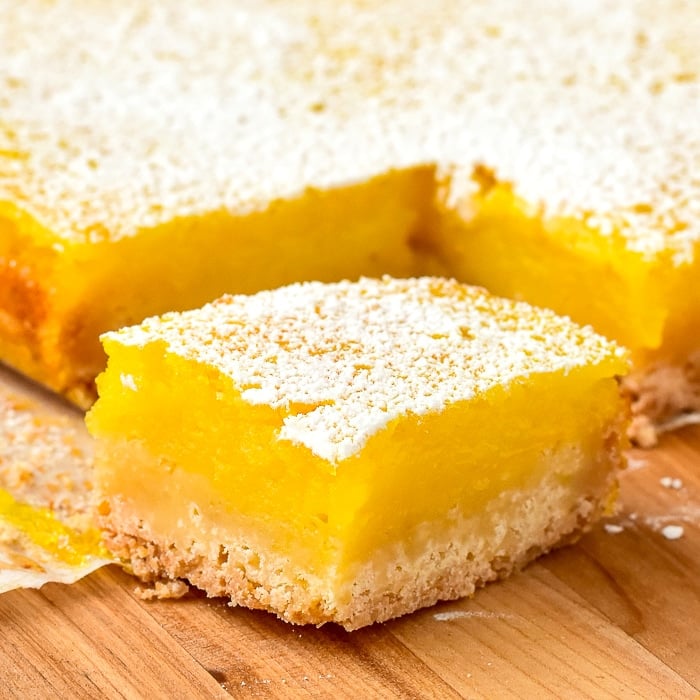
[644, 296]
[58, 293]
[351, 452]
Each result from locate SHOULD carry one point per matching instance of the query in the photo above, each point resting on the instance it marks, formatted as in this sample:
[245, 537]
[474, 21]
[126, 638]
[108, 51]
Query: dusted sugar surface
[345, 359]
[122, 114]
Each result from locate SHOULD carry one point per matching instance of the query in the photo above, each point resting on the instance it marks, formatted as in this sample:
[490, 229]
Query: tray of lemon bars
[349, 349]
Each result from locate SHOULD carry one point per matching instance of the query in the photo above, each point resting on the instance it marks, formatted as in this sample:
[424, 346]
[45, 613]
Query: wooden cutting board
[617, 615]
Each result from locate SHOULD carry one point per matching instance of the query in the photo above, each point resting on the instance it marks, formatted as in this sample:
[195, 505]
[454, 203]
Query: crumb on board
[672, 532]
[162, 590]
[669, 482]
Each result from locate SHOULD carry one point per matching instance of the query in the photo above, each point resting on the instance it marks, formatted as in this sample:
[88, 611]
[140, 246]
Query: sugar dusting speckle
[688, 513]
[671, 482]
[128, 381]
[672, 532]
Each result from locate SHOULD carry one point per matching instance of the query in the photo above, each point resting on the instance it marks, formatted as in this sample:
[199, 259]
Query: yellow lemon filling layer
[504, 244]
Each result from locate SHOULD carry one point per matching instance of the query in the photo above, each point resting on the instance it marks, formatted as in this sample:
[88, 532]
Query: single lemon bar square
[351, 452]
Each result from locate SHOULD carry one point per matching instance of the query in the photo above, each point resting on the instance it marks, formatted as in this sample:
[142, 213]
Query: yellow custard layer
[560, 263]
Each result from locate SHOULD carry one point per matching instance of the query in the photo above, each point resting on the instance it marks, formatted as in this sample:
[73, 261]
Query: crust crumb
[164, 589]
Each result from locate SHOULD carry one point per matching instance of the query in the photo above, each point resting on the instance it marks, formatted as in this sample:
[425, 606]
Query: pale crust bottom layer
[659, 393]
[447, 560]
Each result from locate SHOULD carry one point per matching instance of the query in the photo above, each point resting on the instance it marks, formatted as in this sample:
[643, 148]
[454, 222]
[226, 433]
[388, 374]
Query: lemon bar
[351, 452]
[62, 286]
[152, 158]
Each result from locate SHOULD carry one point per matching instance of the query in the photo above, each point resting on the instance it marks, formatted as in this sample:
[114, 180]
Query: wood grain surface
[615, 616]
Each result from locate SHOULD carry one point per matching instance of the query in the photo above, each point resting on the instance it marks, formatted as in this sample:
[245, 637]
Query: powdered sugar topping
[122, 115]
[346, 359]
